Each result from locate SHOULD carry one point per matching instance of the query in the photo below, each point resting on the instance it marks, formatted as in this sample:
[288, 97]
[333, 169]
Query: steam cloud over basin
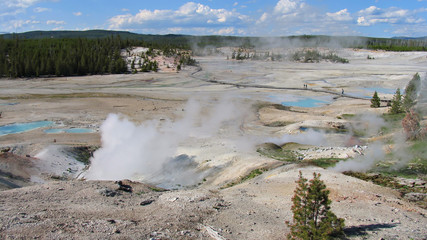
[149, 152]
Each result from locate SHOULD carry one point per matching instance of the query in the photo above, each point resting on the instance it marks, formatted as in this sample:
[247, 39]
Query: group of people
[305, 86]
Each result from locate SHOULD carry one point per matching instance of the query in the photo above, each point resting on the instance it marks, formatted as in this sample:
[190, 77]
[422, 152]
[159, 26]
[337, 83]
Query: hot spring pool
[23, 127]
[379, 90]
[305, 102]
[69, 130]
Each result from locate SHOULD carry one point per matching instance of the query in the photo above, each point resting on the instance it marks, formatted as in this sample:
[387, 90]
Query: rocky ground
[53, 204]
[255, 209]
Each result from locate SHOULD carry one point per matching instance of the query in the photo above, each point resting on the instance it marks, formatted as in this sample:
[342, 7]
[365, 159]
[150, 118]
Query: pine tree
[411, 92]
[396, 103]
[313, 218]
[375, 101]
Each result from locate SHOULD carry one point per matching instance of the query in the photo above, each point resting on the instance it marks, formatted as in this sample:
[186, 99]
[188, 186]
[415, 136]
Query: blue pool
[9, 104]
[69, 130]
[381, 90]
[305, 102]
[23, 127]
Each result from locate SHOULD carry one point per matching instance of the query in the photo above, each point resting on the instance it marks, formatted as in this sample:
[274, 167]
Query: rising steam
[149, 151]
[363, 163]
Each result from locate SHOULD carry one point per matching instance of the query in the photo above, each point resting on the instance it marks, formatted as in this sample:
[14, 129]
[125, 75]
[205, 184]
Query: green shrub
[313, 218]
[375, 101]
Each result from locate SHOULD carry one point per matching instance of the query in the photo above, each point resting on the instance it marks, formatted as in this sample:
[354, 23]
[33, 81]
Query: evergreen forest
[67, 56]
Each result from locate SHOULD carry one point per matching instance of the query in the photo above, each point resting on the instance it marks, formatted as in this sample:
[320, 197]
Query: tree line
[60, 57]
[68, 56]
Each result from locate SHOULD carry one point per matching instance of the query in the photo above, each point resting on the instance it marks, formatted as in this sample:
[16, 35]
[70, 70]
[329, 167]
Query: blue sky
[376, 18]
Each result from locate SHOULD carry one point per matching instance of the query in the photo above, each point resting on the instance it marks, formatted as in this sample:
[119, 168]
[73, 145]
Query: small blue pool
[23, 127]
[8, 104]
[380, 90]
[305, 102]
[69, 130]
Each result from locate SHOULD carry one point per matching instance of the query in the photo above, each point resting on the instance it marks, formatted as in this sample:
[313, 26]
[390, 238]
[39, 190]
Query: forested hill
[178, 41]
[188, 41]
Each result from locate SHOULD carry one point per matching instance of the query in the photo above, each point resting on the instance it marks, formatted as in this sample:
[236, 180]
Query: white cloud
[226, 31]
[19, 3]
[125, 10]
[77, 14]
[294, 17]
[191, 15]
[54, 22]
[40, 9]
[342, 15]
[287, 6]
[374, 15]
[15, 7]
[263, 18]
[21, 23]
[58, 28]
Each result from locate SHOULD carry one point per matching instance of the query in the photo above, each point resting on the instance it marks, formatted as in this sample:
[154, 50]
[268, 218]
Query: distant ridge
[198, 42]
[71, 34]
[410, 38]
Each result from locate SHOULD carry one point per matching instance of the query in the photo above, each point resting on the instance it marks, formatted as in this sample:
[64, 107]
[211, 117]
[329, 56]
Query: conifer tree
[375, 101]
[313, 218]
[396, 103]
[411, 92]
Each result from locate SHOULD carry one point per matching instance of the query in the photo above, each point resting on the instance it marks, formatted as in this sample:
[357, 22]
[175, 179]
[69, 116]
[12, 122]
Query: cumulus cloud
[21, 23]
[77, 14]
[40, 9]
[11, 9]
[374, 15]
[226, 31]
[342, 15]
[19, 3]
[293, 17]
[54, 22]
[189, 16]
[288, 6]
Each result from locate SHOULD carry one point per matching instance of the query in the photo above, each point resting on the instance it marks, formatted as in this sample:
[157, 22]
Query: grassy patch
[409, 162]
[346, 116]
[277, 124]
[274, 105]
[393, 122]
[279, 154]
[157, 189]
[360, 132]
[324, 162]
[252, 174]
[386, 181]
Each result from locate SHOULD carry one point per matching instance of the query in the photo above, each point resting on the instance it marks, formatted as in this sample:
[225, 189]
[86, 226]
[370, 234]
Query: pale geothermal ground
[178, 129]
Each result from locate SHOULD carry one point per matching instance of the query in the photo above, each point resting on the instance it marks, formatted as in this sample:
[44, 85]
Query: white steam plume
[149, 151]
[363, 163]
[422, 96]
